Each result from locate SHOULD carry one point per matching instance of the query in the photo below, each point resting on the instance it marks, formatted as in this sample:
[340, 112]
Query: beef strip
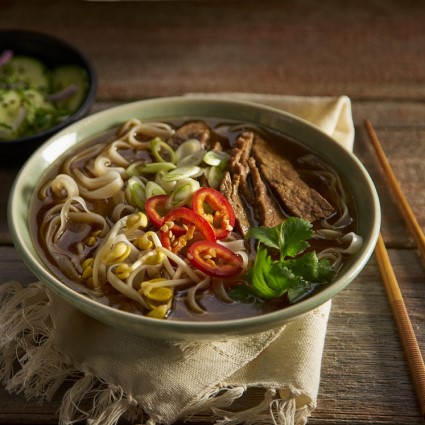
[235, 182]
[300, 199]
[239, 163]
[267, 210]
[193, 130]
[231, 192]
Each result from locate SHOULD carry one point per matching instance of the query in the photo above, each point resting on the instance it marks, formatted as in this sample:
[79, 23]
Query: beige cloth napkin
[155, 382]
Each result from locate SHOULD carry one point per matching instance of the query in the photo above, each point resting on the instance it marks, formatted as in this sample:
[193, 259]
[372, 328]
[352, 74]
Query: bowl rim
[90, 95]
[179, 328]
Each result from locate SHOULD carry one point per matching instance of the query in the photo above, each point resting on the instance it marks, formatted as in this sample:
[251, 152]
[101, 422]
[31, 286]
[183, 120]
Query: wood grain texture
[372, 51]
[364, 49]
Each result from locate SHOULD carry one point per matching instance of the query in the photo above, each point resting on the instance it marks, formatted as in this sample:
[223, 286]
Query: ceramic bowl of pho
[45, 85]
[190, 218]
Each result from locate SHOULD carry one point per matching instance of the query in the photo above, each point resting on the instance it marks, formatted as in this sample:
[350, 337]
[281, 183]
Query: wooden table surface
[372, 51]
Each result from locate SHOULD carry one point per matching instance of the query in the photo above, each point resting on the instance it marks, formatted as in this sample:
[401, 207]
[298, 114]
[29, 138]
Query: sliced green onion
[134, 168]
[214, 176]
[187, 148]
[156, 167]
[193, 159]
[182, 173]
[167, 186]
[136, 192]
[215, 157]
[153, 189]
[182, 193]
[158, 146]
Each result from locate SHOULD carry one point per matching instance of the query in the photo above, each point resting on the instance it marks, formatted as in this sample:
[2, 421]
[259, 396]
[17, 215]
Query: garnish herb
[282, 266]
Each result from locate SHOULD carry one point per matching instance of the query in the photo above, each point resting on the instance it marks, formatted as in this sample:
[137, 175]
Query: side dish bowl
[51, 52]
[345, 163]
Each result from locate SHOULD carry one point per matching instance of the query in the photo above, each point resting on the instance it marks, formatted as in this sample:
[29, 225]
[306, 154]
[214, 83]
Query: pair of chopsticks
[401, 316]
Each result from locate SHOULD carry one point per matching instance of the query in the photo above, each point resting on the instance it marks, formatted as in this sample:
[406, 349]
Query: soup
[193, 220]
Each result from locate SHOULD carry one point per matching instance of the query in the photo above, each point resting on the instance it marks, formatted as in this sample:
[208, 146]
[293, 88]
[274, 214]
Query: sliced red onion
[5, 57]
[63, 94]
[20, 118]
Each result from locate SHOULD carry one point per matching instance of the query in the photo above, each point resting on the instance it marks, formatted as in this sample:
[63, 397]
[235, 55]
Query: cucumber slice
[35, 101]
[67, 75]
[28, 71]
[10, 104]
[10, 101]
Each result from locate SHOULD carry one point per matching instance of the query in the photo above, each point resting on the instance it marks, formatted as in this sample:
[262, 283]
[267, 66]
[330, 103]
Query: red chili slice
[214, 259]
[187, 221]
[216, 209]
[156, 210]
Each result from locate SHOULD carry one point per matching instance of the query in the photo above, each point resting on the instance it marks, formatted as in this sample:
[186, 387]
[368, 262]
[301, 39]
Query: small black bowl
[53, 52]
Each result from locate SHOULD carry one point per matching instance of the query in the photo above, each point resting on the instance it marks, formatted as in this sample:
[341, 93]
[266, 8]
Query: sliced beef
[247, 178]
[217, 147]
[193, 130]
[235, 182]
[267, 211]
[239, 167]
[231, 192]
[294, 194]
[244, 144]
[263, 187]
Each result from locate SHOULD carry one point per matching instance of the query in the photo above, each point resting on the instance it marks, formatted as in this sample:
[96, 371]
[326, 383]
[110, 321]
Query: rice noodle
[121, 210]
[82, 156]
[335, 254]
[220, 291]
[115, 156]
[69, 211]
[102, 165]
[233, 245]
[127, 125]
[334, 181]
[102, 187]
[149, 129]
[186, 268]
[329, 234]
[64, 186]
[170, 283]
[124, 288]
[191, 295]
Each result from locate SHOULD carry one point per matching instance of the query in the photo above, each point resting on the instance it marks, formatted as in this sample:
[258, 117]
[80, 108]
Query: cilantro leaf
[299, 291]
[311, 268]
[242, 293]
[296, 233]
[294, 273]
[262, 274]
[269, 236]
[289, 237]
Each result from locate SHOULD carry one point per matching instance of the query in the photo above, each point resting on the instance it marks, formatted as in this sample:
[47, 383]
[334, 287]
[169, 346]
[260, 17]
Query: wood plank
[362, 49]
[405, 149]
[13, 268]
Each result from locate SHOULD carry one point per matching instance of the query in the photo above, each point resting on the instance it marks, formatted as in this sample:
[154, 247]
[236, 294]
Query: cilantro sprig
[282, 266]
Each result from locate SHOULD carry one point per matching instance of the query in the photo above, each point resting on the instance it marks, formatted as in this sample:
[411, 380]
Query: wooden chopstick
[402, 203]
[407, 335]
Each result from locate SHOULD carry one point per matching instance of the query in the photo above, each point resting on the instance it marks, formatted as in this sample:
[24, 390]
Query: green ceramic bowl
[348, 166]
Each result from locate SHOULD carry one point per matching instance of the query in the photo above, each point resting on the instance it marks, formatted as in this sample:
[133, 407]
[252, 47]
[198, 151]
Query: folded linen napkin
[155, 382]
